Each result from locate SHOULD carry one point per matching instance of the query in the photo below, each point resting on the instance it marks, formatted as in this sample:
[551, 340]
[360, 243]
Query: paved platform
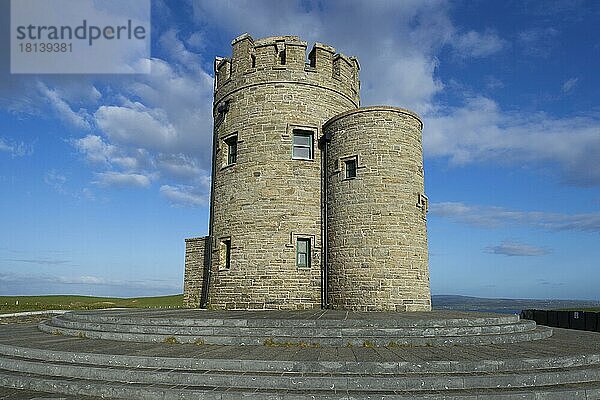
[565, 365]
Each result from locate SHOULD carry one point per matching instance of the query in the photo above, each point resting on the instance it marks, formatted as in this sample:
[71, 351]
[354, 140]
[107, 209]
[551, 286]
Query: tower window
[312, 58]
[280, 50]
[423, 202]
[252, 60]
[282, 57]
[226, 254]
[303, 253]
[303, 145]
[231, 143]
[350, 166]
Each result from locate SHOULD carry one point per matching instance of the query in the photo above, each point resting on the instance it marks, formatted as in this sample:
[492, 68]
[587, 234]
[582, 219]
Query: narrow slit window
[423, 202]
[303, 253]
[252, 60]
[312, 59]
[281, 57]
[350, 166]
[280, 52]
[226, 254]
[303, 145]
[231, 143]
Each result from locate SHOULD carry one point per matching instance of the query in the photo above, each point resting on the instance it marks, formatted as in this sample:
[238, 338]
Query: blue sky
[103, 176]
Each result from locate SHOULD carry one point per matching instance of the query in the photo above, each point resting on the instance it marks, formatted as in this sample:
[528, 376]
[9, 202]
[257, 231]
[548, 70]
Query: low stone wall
[195, 250]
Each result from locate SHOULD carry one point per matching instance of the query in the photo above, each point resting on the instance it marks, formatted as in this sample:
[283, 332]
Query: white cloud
[178, 51]
[4, 146]
[167, 111]
[160, 128]
[39, 261]
[88, 194]
[410, 81]
[98, 151]
[179, 166]
[121, 179]
[476, 45]
[516, 249]
[196, 41]
[569, 85]
[262, 17]
[140, 167]
[95, 149]
[186, 100]
[159, 125]
[492, 83]
[494, 217]
[83, 280]
[136, 129]
[137, 125]
[480, 131]
[187, 196]
[537, 42]
[535, 35]
[395, 42]
[62, 96]
[79, 92]
[55, 180]
[15, 149]
[63, 109]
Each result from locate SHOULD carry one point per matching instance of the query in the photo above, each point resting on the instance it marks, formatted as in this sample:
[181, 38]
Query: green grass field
[10, 304]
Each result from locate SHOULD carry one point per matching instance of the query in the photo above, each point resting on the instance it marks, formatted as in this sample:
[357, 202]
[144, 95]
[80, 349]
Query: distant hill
[467, 303]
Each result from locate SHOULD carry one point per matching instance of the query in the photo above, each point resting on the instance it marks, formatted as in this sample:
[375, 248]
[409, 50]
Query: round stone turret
[271, 101]
[283, 60]
[376, 208]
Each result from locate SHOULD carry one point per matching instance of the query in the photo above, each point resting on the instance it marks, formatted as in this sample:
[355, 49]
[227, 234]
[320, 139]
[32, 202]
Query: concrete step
[130, 390]
[313, 380]
[538, 333]
[271, 319]
[303, 366]
[359, 332]
[315, 328]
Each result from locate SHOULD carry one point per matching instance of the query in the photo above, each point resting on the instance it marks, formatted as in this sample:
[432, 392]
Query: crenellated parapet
[284, 59]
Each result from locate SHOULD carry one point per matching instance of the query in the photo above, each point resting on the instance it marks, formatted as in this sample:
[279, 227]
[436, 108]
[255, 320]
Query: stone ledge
[375, 109]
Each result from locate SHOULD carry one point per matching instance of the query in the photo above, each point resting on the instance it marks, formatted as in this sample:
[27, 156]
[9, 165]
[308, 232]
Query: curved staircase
[322, 328]
[320, 355]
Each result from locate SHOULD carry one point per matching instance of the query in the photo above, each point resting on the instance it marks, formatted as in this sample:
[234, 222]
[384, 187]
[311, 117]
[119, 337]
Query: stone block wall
[266, 200]
[195, 257]
[376, 220]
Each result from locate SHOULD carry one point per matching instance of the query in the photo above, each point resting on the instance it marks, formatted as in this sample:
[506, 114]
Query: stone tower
[377, 238]
[283, 232]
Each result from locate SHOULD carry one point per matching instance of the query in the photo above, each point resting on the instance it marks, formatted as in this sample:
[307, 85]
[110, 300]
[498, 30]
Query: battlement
[285, 58]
